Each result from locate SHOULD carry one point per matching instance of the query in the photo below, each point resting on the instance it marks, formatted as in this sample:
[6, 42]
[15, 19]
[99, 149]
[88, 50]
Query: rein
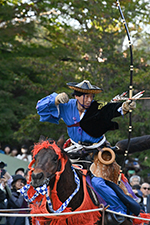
[43, 190]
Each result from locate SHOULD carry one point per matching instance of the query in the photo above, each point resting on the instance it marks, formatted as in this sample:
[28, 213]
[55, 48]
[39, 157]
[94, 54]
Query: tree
[42, 48]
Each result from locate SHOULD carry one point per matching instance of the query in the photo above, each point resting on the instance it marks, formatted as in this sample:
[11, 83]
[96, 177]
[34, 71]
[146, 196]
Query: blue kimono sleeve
[47, 109]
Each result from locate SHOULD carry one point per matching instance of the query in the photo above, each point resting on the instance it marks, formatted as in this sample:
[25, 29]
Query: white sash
[75, 147]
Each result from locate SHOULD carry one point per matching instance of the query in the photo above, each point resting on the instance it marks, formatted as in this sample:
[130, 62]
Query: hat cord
[83, 103]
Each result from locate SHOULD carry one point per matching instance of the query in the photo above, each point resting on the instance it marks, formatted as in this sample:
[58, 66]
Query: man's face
[145, 188]
[134, 181]
[85, 99]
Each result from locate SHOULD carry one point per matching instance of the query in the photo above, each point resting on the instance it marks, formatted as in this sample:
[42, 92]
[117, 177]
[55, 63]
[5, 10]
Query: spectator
[25, 155]
[14, 152]
[7, 150]
[1, 151]
[135, 179]
[136, 189]
[5, 173]
[2, 165]
[5, 193]
[20, 171]
[17, 200]
[2, 204]
[145, 187]
[139, 194]
[27, 174]
[130, 173]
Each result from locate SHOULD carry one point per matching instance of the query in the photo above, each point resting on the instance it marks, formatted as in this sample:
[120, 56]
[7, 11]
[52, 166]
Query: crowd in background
[23, 154]
[140, 186]
[10, 198]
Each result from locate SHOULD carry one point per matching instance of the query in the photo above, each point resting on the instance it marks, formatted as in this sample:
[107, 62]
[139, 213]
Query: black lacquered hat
[2, 164]
[84, 87]
[18, 177]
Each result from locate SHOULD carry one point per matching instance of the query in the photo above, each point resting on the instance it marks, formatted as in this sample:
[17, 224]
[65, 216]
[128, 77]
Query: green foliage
[31, 125]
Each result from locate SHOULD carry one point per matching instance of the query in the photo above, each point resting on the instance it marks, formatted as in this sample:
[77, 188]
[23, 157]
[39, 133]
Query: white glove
[127, 105]
[61, 98]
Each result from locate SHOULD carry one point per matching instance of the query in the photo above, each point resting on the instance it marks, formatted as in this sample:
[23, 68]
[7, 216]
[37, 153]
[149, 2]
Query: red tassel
[142, 215]
[67, 143]
[123, 178]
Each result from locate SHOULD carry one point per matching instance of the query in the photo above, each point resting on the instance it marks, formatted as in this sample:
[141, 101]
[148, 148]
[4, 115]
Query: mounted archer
[86, 125]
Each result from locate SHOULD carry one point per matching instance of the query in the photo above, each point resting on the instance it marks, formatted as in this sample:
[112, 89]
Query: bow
[131, 80]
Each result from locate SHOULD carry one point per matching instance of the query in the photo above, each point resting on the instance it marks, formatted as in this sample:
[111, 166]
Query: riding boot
[114, 219]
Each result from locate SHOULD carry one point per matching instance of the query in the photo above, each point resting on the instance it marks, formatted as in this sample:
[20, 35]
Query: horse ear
[61, 141]
[41, 138]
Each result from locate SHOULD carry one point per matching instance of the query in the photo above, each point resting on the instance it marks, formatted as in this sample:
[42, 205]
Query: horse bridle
[48, 179]
[43, 190]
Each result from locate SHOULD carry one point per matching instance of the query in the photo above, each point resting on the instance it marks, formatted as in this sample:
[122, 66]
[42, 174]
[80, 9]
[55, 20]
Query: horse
[64, 188]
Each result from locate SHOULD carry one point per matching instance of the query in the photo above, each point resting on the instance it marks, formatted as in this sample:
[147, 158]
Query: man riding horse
[86, 125]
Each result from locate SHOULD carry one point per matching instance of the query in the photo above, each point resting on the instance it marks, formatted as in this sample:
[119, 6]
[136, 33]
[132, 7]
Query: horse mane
[46, 145]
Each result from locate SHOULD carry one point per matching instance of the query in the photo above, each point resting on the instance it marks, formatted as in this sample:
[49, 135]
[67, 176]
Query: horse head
[46, 159]
[51, 169]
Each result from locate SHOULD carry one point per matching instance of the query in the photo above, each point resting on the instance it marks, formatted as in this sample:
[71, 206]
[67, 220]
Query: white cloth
[75, 147]
[145, 203]
[25, 157]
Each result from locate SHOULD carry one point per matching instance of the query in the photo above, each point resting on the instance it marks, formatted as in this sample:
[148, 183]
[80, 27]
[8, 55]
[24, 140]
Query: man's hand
[127, 105]
[61, 98]
[4, 181]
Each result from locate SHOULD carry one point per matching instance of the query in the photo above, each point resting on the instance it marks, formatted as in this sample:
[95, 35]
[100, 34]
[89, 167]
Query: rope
[71, 213]
[15, 210]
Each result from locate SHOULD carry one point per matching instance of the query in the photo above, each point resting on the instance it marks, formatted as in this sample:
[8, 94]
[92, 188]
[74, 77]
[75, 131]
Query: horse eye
[55, 158]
